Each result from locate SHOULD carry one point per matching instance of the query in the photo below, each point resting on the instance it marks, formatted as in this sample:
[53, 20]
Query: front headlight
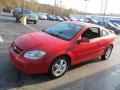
[36, 18]
[34, 54]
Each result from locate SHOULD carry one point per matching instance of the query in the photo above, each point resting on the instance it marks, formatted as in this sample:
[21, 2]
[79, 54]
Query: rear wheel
[59, 67]
[107, 53]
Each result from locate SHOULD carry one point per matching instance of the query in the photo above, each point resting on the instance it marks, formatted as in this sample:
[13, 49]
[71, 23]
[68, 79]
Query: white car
[42, 17]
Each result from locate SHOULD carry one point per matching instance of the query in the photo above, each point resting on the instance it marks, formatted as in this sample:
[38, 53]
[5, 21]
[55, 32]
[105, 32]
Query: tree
[35, 6]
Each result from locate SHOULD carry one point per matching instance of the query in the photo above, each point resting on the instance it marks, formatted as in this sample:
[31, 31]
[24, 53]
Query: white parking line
[31, 28]
[14, 33]
[1, 39]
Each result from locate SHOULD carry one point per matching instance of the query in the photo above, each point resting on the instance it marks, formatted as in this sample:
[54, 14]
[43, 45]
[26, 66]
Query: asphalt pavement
[91, 75]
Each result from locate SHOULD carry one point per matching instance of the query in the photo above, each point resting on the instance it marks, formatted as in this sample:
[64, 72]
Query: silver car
[30, 16]
[42, 17]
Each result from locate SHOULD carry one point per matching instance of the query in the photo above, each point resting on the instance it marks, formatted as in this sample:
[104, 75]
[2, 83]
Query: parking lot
[92, 75]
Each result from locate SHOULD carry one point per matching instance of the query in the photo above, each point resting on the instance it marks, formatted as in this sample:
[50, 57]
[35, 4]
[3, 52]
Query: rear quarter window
[104, 33]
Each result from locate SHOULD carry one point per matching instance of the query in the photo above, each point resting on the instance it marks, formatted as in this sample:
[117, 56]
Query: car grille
[31, 17]
[16, 49]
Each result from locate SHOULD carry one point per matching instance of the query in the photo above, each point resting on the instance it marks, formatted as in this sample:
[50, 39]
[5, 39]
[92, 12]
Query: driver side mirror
[83, 39]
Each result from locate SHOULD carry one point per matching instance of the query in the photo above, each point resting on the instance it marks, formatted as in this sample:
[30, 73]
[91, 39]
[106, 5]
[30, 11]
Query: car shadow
[6, 18]
[85, 63]
[11, 78]
[7, 21]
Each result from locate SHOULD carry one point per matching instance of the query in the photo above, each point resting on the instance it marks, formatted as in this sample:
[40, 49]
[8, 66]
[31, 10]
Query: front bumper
[27, 66]
[32, 19]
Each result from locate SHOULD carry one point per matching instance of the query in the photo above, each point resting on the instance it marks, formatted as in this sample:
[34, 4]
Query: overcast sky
[94, 6]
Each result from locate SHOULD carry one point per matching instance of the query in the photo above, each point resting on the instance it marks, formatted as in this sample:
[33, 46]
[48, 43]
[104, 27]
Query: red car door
[88, 50]
[104, 41]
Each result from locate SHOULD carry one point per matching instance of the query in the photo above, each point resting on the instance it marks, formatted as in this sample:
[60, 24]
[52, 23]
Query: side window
[104, 33]
[92, 33]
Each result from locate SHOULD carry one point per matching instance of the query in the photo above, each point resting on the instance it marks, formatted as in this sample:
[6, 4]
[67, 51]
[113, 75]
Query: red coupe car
[60, 46]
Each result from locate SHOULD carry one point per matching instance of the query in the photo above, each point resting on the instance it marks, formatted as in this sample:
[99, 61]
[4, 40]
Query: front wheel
[35, 22]
[59, 67]
[107, 53]
[17, 20]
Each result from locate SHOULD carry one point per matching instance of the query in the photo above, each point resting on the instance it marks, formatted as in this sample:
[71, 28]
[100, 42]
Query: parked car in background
[58, 18]
[51, 17]
[60, 46]
[42, 16]
[100, 23]
[7, 10]
[72, 19]
[90, 20]
[111, 26]
[116, 24]
[66, 18]
[30, 16]
[115, 20]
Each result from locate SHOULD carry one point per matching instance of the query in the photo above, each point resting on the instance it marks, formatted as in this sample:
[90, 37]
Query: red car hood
[39, 39]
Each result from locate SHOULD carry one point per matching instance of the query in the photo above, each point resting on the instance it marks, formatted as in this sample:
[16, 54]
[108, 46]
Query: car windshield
[18, 9]
[27, 12]
[64, 30]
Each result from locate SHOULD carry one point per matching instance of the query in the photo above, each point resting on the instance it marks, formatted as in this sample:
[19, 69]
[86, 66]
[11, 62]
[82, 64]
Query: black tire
[17, 20]
[35, 22]
[105, 56]
[51, 72]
